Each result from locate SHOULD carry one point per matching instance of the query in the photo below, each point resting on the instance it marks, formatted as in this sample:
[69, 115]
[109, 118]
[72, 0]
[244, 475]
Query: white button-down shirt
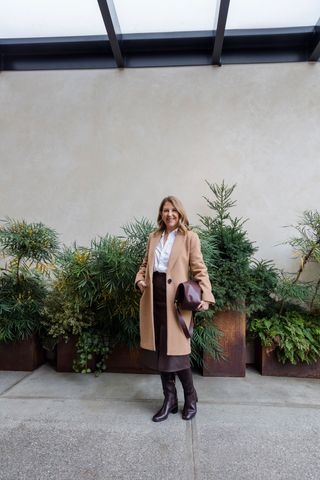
[162, 252]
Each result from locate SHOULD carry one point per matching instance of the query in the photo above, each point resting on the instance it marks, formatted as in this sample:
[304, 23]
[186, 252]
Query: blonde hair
[183, 219]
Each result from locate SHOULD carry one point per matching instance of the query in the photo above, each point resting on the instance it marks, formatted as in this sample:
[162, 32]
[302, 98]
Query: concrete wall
[87, 151]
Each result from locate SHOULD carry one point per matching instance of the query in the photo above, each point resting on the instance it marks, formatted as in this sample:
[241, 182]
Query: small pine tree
[226, 249]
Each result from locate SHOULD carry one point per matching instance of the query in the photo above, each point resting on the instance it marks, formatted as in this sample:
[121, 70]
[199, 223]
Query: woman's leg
[170, 403]
[190, 394]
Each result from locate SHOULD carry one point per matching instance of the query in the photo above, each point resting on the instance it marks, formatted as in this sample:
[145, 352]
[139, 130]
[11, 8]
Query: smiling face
[170, 216]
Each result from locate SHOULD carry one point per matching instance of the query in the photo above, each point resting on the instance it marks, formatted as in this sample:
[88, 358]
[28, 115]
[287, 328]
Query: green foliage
[69, 309]
[294, 336]
[307, 242]
[20, 306]
[91, 346]
[116, 262]
[221, 203]
[126, 331]
[62, 316]
[205, 339]
[94, 291]
[227, 251]
[113, 272]
[22, 287]
[116, 302]
[262, 284]
[28, 243]
[290, 322]
[292, 293]
[75, 275]
[136, 234]
[306, 245]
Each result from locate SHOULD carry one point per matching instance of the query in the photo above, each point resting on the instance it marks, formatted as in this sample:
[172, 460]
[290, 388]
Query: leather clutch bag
[188, 297]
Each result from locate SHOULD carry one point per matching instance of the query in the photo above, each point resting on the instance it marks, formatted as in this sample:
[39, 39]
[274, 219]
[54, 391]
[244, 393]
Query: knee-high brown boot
[170, 403]
[190, 394]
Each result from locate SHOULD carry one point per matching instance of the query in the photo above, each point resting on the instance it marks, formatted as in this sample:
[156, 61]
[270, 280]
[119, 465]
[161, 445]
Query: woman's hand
[141, 285]
[203, 306]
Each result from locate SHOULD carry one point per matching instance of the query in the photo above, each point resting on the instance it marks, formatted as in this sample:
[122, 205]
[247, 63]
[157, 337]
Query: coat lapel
[152, 247]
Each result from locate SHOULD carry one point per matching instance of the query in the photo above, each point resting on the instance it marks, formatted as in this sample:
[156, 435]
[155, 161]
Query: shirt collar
[173, 232]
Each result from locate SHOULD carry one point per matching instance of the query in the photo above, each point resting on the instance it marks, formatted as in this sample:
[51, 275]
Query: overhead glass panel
[50, 18]
[60, 18]
[249, 14]
[146, 16]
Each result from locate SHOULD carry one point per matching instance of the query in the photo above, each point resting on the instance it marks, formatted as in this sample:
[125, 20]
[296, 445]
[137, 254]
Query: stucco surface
[87, 151]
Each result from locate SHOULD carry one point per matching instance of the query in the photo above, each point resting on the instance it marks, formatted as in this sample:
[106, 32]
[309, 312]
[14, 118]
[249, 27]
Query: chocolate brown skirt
[159, 360]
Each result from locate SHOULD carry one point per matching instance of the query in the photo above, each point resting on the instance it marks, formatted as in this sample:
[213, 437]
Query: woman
[172, 252]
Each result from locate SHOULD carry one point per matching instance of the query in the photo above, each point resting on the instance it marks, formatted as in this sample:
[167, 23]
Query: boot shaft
[185, 377]
[168, 380]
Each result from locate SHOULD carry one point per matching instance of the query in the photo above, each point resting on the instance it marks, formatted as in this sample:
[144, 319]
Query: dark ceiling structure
[116, 50]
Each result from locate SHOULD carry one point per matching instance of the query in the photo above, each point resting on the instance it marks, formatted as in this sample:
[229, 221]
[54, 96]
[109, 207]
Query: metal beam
[279, 45]
[219, 37]
[110, 19]
[315, 55]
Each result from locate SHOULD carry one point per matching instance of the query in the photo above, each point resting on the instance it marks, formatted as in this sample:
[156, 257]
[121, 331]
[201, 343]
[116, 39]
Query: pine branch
[315, 295]
[305, 260]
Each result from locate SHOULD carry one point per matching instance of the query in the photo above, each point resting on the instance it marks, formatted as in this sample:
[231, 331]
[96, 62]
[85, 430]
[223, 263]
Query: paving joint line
[4, 395]
[195, 449]
[189, 453]
[28, 374]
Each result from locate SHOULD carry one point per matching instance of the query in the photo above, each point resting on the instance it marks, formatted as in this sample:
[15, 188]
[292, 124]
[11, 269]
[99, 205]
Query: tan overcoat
[185, 257]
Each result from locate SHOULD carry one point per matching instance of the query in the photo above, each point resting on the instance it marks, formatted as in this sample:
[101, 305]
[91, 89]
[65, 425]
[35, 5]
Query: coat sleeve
[198, 269]
[141, 275]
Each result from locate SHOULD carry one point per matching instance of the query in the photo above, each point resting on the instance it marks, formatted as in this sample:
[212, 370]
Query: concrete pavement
[59, 426]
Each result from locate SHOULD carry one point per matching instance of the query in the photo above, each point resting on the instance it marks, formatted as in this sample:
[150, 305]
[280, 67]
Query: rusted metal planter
[233, 326]
[126, 360]
[121, 360]
[67, 353]
[24, 355]
[268, 365]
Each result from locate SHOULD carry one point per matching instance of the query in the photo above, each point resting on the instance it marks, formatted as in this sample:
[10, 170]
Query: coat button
[169, 281]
